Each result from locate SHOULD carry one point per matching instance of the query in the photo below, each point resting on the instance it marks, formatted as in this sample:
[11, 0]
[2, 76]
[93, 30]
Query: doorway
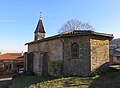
[44, 63]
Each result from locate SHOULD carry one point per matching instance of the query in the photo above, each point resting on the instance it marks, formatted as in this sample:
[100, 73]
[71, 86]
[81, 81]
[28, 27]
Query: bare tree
[74, 24]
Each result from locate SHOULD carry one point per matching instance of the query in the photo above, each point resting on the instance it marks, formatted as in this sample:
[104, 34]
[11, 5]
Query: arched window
[75, 51]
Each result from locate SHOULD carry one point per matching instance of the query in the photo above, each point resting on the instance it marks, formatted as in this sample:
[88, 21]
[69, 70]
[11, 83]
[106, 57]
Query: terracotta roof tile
[9, 56]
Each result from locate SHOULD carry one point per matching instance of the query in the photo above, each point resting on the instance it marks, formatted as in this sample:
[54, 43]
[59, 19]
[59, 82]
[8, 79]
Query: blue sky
[18, 18]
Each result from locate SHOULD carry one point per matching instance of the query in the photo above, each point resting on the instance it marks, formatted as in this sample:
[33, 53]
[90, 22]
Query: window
[75, 51]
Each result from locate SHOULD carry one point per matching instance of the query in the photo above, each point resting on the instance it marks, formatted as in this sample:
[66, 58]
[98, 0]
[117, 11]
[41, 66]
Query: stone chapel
[80, 51]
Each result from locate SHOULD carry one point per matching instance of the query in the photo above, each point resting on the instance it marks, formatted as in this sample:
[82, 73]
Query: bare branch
[74, 24]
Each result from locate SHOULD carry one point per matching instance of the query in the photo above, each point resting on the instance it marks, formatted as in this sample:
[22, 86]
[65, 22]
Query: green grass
[64, 82]
[109, 80]
[23, 81]
[40, 82]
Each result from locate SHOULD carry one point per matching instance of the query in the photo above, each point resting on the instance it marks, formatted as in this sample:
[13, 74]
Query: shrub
[104, 71]
[55, 68]
[29, 73]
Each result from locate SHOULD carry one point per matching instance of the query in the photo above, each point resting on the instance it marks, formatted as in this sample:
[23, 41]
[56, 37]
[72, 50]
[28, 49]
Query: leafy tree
[74, 24]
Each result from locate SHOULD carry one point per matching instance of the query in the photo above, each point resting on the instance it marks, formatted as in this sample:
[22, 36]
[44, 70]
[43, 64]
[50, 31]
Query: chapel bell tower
[39, 32]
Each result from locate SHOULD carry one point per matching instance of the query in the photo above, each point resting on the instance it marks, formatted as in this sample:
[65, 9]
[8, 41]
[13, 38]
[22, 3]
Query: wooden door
[44, 63]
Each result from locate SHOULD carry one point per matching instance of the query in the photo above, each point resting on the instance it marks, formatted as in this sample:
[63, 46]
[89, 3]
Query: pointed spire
[39, 32]
[40, 17]
[40, 27]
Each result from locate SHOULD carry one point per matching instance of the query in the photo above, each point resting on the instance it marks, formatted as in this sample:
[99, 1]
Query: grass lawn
[109, 80]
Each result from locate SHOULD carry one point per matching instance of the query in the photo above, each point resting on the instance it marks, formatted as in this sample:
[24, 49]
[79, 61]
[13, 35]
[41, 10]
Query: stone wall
[53, 49]
[93, 52]
[79, 66]
[99, 52]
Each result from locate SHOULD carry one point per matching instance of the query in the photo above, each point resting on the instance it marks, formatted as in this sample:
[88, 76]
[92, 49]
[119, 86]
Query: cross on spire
[40, 15]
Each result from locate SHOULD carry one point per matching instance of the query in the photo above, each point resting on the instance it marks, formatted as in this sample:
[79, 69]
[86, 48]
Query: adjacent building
[10, 62]
[115, 52]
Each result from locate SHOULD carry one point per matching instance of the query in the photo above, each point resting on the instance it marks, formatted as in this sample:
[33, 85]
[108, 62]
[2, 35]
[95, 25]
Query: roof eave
[110, 36]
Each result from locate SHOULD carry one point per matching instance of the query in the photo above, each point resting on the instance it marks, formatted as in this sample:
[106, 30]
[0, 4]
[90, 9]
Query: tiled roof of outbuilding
[10, 56]
[114, 52]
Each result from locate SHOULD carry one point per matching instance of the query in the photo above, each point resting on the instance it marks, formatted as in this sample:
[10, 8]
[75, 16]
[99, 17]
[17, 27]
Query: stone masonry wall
[79, 66]
[53, 49]
[93, 52]
[99, 52]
